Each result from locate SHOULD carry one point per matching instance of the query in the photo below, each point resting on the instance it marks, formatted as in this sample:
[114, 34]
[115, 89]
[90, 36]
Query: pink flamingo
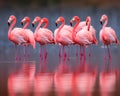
[85, 36]
[107, 35]
[63, 35]
[15, 35]
[43, 35]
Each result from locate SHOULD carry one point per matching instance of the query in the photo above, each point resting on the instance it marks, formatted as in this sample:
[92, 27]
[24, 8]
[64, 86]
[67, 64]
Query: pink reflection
[43, 82]
[107, 82]
[63, 80]
[84, 80]
[21, 81]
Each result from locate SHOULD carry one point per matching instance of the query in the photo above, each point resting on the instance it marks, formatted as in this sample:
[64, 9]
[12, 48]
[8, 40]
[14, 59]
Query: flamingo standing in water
[86, 35]
[107, 35]
[16, 35]
[43, 35]
[63, 35]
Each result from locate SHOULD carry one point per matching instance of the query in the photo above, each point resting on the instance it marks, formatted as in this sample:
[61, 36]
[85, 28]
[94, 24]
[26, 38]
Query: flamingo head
[11, 19]
[37, 19]
[60, 19]
[25, 19]
[103, 18]
[88, 20]
[75, 18]
[44, 20]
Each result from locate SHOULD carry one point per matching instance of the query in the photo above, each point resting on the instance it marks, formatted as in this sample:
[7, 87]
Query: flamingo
[16, 34]
[107, 35]
[43, 35]
[86, 35]
[28, 34]
[63, 35]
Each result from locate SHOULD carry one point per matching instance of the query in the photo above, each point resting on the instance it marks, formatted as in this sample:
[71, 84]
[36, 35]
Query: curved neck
[26, 24]
[61, 26]
[37, 28]
[11, 27]
[74, 32]
[46, 24]
[105, 23]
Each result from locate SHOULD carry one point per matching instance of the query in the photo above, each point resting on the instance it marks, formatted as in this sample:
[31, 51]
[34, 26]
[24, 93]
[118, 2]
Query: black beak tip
[56, 24]
[71, 23]
[32, 24]
[22, 23]
[8, 24]
[101, 22]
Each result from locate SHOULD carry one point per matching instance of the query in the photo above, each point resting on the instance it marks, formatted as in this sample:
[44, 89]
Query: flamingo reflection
[21, 81]
[43, 82]
[63, 80]
[84, 80]
[107, 82]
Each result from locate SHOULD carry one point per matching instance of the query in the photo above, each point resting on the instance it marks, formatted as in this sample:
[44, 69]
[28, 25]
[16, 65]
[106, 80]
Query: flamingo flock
[81, 34]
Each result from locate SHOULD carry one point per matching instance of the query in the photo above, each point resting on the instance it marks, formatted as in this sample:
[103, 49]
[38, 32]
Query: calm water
[28, 78]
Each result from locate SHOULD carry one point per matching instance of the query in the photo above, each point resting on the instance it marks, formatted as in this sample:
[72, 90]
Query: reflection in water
[84, 81]
[63, 80]
[21, 81]
[43, 82]
[107, 81]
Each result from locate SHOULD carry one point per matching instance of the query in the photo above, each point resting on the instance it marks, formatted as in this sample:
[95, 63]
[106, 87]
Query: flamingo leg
[25, 53]
[45, 54]
[81, 54]
[68, 54]
[65, 55]
[84, 55]
[18, 57]
[15, 52]
[41, 55]
[60, 54]
[77, 54]
[104, 56]
[109, 56]
[89, 53]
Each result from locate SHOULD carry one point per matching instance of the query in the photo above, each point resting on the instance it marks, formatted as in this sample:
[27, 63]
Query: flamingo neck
[27, 24]
[74, 32]
[46, 24]
[38, 27]
[106, 22]
[61, 26]
[11, 27]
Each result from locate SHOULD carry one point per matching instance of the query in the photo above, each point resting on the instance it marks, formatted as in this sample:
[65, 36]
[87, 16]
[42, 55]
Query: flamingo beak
[101, 22]
[22, 23]
[33, 24]
[8, 24]
[71, 23]
[56, 24]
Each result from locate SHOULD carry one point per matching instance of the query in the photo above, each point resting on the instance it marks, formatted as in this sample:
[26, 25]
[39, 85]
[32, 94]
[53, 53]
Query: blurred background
[52, 9]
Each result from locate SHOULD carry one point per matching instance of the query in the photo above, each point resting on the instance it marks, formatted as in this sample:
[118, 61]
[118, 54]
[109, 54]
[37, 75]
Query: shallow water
[25, 78]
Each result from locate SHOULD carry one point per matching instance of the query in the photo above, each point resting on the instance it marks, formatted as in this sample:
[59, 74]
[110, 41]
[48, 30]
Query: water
[25, 76]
